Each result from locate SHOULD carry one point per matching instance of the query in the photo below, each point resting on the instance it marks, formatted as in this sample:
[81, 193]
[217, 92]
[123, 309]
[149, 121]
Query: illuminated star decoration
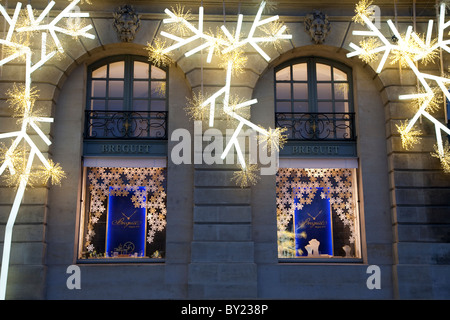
[229, 47]
[22, 100]
[408, 49]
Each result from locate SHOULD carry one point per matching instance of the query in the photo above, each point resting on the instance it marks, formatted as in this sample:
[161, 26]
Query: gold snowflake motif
[238, 60]
[53, 173]
[362, 9]
[274, 140]
[409, 137]
[20, 100]
[157, 55]
[12, 156]
[368, 45]
[195, 108]
[178, 26]
[444, 156]
[433, 100]
[246, 176]
[22, 172]
[271, 30]
[233, 108]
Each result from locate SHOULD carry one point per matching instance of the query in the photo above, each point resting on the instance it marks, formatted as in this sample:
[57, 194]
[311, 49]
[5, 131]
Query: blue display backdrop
[126, 226]
[313, 221]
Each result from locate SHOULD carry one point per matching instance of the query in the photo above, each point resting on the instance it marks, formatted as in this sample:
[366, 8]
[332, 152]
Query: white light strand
[412, 55]
[229, 43]
[30, 121]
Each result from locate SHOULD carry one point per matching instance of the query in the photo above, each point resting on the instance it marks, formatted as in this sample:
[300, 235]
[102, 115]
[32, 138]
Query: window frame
[297, 164]
[128, 80]
[312, 82]
[84, 211]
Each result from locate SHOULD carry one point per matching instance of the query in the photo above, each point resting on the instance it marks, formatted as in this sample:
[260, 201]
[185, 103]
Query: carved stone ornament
[126, 23]
[318, 26]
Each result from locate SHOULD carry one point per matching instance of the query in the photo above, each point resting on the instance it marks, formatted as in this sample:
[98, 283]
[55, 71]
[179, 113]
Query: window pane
[284, 107]
[317, 213]
[98, 88]
[98, 105]
[158, 73]
[284, 74]
[341, 107]
[324, 91]
[140, 89]
[115, 105]
[117, 69]
[141, 70]
[339, 75]
[140, 105]
[125, 213]
[158, 105]
[301, 107]
[116, 89]
[325, 107]
[300, 91]
[341, 91]
[283, 91]
[158, 89]
[300, 72]
[323, 72]
[100, 72]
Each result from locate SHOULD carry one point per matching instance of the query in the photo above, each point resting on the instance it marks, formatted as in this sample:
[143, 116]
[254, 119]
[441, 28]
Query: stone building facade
[220, 240]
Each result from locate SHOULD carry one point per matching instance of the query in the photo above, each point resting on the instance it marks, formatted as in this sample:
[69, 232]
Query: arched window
[125, 162]
[313, 99]
[126, 99]
[316, 184]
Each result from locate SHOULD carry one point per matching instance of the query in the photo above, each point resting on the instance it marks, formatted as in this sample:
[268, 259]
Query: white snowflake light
[43, 26]
[408, 50]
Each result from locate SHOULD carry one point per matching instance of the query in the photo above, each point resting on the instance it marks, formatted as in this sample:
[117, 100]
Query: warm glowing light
[53, 172]
[274, 140]
[247, 176]
[20, 99]
[362, 10]
[369, 46]
[176, 24]
[409, 137]
[238, 60]
[443, 154]
[157, 54]
[433, 100]
[196, 109]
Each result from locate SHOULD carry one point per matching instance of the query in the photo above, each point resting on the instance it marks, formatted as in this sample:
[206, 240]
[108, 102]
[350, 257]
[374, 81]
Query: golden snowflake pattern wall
[147, 187]
[297, 188]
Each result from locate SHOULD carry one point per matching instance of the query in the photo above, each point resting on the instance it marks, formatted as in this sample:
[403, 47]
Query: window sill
[119, 260]
[328, 260]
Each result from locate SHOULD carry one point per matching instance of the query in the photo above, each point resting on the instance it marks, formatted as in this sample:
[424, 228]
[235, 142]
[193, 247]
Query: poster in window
[313, 221]
[126, 225]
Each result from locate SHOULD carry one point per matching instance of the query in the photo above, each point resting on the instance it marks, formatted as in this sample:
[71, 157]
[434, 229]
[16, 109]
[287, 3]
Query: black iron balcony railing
[126, 125]
[317, 126]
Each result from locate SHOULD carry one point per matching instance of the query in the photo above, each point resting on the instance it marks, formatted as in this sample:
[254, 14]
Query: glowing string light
[22, 99]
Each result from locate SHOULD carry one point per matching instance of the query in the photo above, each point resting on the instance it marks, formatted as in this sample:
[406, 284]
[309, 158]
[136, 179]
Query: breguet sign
[319, 149]
[128, 148]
